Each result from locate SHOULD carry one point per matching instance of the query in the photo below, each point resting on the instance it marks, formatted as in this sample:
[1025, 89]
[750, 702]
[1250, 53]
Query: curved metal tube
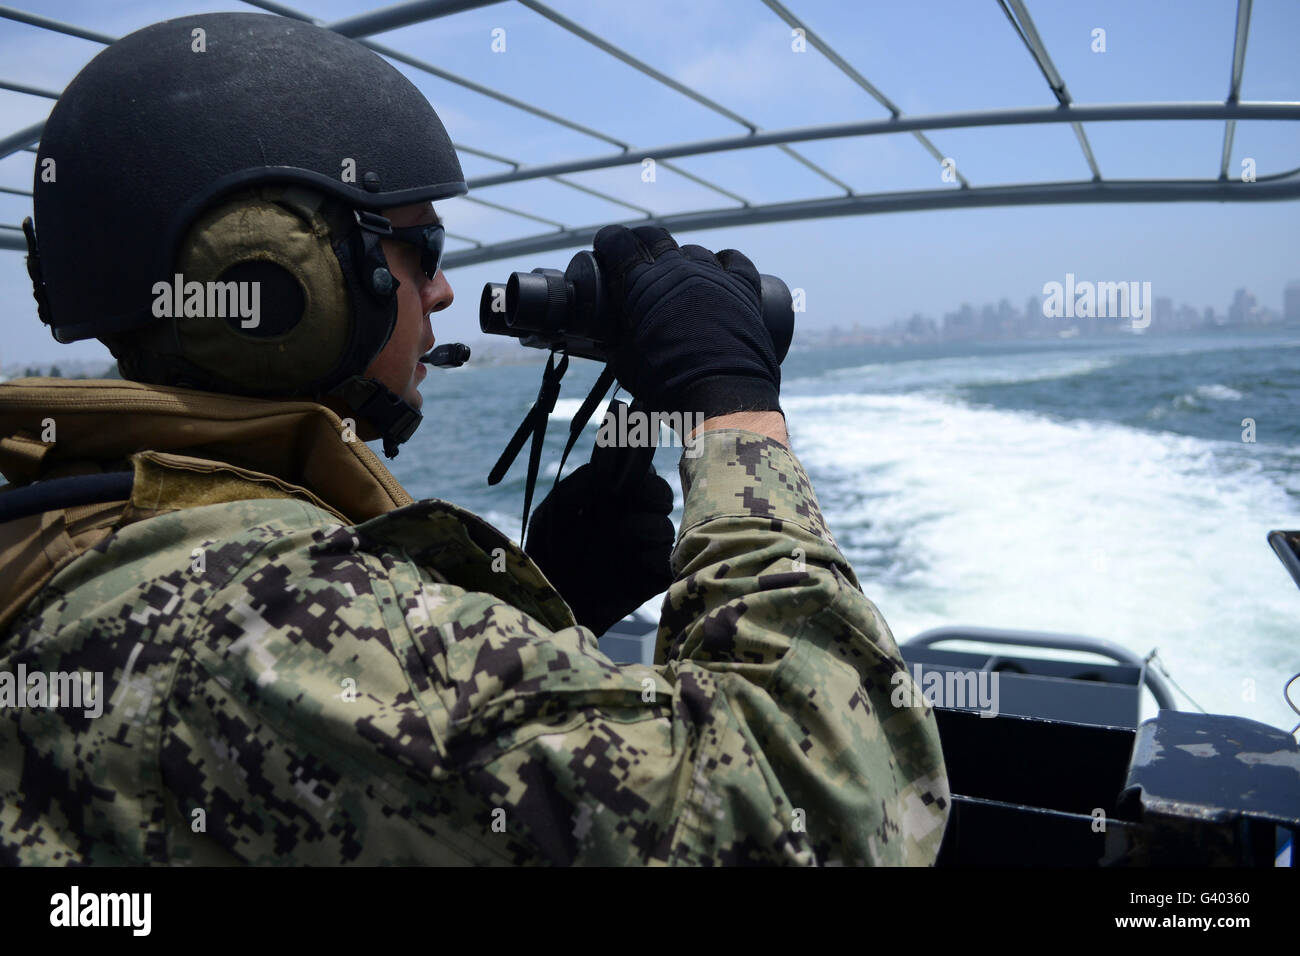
[1065, 642]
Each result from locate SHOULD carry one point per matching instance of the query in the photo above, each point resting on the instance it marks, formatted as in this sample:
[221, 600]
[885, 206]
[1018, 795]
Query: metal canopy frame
[846, 202]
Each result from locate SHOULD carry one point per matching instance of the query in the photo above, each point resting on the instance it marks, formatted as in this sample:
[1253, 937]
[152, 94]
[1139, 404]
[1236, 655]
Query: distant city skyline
[1002, 320]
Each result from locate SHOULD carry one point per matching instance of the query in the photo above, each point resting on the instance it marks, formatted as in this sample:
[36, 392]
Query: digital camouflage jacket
[300, 665]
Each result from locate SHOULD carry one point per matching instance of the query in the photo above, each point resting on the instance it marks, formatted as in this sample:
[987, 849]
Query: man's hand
[692, 332]
[606, 555]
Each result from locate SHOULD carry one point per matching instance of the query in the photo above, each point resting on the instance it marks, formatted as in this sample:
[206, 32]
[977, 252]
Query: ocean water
[1096, 487]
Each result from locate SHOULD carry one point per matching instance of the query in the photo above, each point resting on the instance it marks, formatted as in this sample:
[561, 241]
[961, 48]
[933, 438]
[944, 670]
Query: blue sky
[932, 56]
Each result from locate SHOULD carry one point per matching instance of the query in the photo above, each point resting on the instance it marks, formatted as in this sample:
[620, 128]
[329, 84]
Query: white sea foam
[566, 408]
[1201, 397]
[966, 370]
[1219, 393]
[959, 515]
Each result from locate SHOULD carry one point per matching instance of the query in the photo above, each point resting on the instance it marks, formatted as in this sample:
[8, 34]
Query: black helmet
[166, 121]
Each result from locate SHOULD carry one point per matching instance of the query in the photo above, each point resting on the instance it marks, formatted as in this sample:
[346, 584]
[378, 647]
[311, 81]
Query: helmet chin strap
[391, 415]
[374, 291]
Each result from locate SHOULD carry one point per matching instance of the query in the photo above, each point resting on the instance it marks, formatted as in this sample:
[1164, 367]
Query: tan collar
[96, 420]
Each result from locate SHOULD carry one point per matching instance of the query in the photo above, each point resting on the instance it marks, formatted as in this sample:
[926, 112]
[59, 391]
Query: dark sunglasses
[428, 239]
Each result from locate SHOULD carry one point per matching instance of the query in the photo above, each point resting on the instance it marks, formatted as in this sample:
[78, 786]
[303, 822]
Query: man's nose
[436, 294]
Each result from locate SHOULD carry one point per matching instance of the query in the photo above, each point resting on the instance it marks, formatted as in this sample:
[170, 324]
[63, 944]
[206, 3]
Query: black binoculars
[568, 311]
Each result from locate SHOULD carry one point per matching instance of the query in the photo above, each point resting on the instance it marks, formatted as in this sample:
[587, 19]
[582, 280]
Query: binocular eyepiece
[569, 310]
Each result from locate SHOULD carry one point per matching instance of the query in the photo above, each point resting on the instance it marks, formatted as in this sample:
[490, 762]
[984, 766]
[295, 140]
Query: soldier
[301, 664]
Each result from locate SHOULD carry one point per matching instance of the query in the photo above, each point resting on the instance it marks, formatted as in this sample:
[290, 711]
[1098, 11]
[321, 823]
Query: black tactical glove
[692, 332]
[606, 553]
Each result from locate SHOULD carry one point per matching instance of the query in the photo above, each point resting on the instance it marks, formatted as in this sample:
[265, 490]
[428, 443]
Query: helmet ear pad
[297, 261]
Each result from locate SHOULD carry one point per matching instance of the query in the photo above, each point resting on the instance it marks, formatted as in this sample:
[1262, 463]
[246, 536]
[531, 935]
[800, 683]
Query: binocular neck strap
[617, 470]
[535, 423]
[584, 413]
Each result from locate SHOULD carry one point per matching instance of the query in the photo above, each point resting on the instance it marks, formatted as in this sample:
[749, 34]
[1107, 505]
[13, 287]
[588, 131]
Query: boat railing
[1151, 679]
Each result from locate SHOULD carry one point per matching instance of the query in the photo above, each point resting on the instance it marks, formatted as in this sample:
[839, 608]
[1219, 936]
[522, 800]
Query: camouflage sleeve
[787, 673]
[343, 702]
